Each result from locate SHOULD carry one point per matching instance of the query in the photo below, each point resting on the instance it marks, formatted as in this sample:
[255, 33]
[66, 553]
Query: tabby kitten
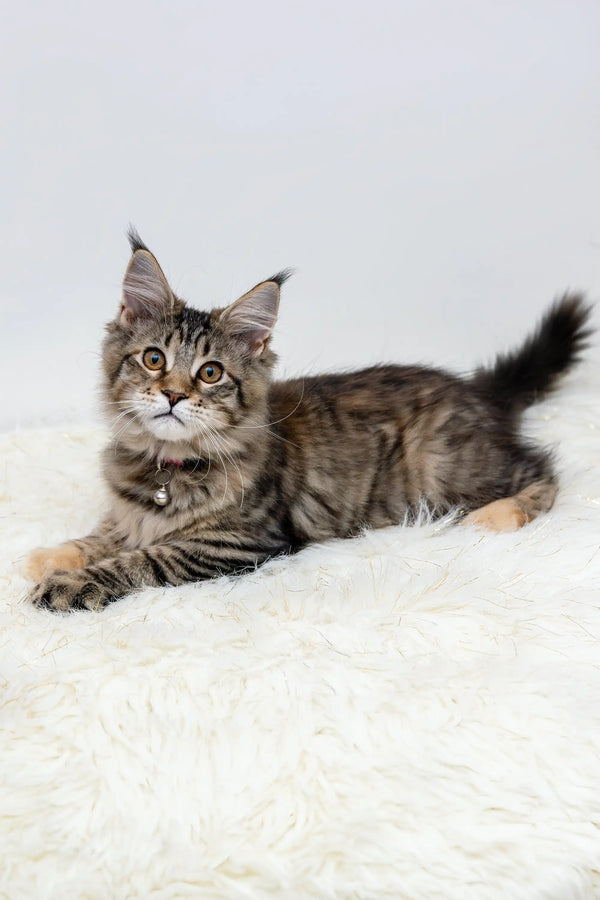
[214, 468]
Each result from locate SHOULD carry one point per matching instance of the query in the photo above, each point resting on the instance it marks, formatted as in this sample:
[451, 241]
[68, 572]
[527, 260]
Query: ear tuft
[251, 319]
[146, 292]
[281, 277]
[135, 241]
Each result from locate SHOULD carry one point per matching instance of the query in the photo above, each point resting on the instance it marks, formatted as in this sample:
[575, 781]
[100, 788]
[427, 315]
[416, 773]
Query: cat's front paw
[44, 560]
[64, 591]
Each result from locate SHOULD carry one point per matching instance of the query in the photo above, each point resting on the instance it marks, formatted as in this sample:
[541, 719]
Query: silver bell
[161, 498]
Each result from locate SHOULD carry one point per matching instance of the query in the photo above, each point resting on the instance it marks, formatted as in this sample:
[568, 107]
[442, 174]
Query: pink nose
[174, 397]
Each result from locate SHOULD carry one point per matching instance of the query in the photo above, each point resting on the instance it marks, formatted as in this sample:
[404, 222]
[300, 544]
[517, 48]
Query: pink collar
[192, 463]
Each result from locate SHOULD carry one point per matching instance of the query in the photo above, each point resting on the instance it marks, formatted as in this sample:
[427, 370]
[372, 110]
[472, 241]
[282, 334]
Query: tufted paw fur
[44, 560]
[63, 591]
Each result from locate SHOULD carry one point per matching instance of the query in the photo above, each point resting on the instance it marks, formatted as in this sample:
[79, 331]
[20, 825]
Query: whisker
[222, 443]
[216, 449]
[277, 421]
[278, 437]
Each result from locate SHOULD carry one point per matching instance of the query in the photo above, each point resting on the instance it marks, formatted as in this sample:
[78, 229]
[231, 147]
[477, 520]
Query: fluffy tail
[528, 374]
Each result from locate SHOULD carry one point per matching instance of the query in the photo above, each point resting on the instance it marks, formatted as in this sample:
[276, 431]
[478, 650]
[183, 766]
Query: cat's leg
[76, 554]
[93, 586]
[511, 513]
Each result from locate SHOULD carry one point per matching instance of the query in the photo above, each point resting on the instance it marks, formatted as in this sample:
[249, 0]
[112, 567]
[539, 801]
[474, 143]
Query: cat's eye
[153, 358]
[211, 372]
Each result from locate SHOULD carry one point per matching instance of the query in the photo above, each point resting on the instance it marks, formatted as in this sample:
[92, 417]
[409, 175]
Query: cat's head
[176, 379]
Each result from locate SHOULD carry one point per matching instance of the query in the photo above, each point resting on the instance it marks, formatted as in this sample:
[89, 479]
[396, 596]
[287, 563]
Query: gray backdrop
[430, 168]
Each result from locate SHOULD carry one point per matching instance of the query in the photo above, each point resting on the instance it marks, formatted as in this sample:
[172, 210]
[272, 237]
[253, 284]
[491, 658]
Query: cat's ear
[251, 319]
[146, 292]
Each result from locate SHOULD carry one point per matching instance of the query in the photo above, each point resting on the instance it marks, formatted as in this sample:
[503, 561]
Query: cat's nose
[174, 397]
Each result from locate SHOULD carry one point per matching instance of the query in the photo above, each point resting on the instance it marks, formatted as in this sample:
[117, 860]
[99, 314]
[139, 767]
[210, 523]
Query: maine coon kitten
[214, 468]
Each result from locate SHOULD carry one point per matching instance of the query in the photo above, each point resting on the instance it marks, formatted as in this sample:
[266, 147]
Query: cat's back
[351, 444]
[373, 393]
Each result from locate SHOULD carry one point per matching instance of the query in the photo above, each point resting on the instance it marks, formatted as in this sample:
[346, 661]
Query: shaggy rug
[411, 714]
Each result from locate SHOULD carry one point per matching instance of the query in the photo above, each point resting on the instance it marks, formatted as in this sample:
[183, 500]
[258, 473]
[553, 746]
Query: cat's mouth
[166, 423]
[170, 414]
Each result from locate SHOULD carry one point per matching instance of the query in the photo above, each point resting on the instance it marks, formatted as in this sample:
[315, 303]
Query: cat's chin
[151, 445]
[167, 428]
[164, 435]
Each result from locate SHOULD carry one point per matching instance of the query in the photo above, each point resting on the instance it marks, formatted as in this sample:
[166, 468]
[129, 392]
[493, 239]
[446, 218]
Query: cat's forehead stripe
[194, 322]
[173, 341]
[202, 345]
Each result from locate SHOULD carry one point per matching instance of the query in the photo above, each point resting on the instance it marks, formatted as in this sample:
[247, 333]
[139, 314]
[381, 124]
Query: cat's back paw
[45, 560]
[500, 515]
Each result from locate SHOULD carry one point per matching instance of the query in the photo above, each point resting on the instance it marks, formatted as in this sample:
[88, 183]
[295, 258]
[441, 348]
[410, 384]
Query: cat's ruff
[164, 474]
[412, 714]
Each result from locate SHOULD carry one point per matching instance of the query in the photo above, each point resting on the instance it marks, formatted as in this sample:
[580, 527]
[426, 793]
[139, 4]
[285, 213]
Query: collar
[193, 463]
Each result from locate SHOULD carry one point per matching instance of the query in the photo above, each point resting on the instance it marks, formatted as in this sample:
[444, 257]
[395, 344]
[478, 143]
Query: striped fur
[272, 466]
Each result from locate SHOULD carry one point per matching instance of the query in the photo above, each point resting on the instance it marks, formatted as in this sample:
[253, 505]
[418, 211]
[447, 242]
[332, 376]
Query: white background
[430, 168]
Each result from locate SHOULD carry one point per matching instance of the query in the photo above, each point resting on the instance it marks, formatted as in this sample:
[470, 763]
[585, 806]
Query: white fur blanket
[411, 714]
